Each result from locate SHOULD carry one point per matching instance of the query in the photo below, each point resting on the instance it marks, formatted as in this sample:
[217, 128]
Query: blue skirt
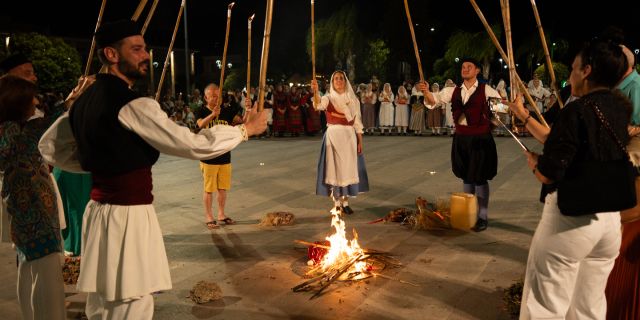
[323, 189]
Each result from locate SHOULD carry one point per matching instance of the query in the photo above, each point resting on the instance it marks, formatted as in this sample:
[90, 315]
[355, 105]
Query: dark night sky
[573, 20]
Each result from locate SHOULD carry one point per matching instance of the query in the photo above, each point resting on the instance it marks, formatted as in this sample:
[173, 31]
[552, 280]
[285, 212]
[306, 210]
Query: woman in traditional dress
[294, 113]
[280, 105]
[402, 111]
[448, 115]
[369, 99]
[386, 108]
[417, 123]
[341, 169]
[434, 116]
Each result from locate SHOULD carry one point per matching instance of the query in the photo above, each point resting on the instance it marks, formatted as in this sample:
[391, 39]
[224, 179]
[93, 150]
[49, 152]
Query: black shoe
[347, 210]
[481, 225]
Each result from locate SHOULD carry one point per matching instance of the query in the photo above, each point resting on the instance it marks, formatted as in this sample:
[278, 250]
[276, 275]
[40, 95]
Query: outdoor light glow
[8, 39]
[505, 66]
[457, 59]
[433, 29]
[229, 65]
[500, 59]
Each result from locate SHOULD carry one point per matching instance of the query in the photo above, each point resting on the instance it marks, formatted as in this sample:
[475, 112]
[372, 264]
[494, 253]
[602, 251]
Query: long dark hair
[16, 98]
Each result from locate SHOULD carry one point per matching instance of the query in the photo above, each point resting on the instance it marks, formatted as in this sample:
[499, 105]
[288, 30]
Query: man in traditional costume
[119, 136]
[474, 158]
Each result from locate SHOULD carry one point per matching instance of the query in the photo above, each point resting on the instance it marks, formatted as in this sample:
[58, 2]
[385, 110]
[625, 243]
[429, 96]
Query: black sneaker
[481, 225]
[347, 210]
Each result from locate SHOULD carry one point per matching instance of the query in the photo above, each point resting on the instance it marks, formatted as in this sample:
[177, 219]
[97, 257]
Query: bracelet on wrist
[526, 120]
[243, 130]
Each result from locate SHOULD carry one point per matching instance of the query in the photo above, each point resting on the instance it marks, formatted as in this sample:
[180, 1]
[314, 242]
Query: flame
[341, 248]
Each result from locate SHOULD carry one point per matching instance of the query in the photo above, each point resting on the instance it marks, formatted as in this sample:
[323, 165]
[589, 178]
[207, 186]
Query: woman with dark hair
[341, 170]
[31, 200]
[588, 180]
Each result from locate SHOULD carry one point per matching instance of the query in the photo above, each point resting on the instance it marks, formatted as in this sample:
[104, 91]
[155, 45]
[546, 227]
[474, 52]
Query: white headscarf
[346, 103]
[449, 83]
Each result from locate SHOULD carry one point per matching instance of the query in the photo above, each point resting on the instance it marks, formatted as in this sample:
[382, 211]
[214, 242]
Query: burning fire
[342, 250]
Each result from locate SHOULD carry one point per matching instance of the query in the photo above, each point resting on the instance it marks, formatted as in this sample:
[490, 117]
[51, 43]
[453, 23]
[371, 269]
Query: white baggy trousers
[569, 263]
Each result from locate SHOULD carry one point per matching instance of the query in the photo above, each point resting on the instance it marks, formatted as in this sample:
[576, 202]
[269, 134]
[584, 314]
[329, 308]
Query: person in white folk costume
[369, 99]
[434, 115]
[341, 168]
[117, 135]
[402, 110]
[448, 115]
[386, 108]
[538, 92]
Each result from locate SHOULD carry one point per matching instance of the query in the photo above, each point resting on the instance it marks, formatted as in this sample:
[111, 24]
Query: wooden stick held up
[506, 19]
[249, 57]
[139, 9]
[413, 37]
[518, 81]
[316, 97]
[543, 39]
[264, 60]
[166, 60]
[149, 16]
[93, 39]
[224, 53]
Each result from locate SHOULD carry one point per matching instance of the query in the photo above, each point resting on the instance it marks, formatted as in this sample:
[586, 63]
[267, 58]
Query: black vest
[104, 145]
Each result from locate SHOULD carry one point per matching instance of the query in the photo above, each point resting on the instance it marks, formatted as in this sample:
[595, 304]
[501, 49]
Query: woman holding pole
[341, 170]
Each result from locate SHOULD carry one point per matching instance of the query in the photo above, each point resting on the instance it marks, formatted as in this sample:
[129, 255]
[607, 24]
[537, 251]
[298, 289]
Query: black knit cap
[471, 60]
[112, 32]
[13, 61]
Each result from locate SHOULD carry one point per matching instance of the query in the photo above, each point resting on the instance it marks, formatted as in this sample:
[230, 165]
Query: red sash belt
[128, 189]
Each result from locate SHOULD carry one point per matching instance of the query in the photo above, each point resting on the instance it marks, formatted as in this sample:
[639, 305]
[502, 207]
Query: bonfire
[338, 258]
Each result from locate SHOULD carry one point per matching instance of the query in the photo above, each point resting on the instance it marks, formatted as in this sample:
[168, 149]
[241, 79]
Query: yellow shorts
[216, 176]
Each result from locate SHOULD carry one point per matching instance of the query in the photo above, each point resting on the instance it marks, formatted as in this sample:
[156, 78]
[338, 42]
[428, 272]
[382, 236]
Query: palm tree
[475, 45]
[337, 38]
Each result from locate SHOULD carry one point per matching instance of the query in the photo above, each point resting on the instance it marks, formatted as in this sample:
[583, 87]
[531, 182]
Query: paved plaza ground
[459, 275]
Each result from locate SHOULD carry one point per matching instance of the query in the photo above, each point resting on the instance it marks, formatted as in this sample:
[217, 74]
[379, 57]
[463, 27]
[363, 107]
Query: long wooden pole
[413, 37]
[224, 54]
[166, 60]
[518, 81]
[138, 12]
[249, 57]
[543, 39]
[506, 17]
[93, 40]
[316, 98]
[149, 16]
[264, 60]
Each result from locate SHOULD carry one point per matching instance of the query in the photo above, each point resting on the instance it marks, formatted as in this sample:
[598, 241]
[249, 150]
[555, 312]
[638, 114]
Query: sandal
[227, 221]
[211, 225]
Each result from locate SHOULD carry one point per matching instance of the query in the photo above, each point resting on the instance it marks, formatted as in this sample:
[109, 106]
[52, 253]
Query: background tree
[475, 45]
[561, 70]
[338, 40]
[531, 53]
[57, 64]
[376, 58]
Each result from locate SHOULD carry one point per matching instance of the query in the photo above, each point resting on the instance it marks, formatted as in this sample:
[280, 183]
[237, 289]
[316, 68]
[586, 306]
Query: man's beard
[132, 71]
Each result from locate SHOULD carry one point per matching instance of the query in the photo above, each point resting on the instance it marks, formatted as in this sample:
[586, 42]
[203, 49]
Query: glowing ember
[342, 249]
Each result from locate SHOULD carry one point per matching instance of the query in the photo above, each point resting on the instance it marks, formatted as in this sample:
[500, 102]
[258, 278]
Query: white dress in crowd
[386, 106]
[133, 262]
[538, 93]
[402, 108]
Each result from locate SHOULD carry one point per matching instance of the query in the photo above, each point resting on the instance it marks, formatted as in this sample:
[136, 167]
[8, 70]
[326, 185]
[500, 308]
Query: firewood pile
[279, 218]
[204, 292]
